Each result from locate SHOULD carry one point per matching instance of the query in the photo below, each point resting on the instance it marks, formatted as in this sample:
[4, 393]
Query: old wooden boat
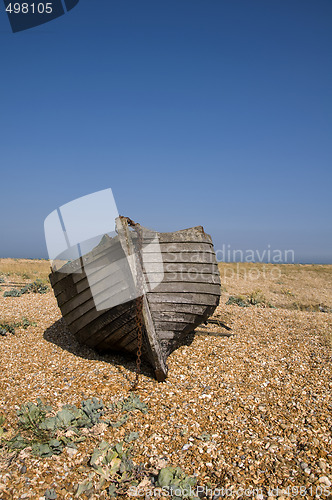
[182, 289]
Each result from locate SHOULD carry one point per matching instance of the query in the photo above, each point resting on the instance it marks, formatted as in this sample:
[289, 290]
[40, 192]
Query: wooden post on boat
[157, 360]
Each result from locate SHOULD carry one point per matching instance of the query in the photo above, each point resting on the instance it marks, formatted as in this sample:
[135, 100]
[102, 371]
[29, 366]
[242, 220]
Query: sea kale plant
[37, 286]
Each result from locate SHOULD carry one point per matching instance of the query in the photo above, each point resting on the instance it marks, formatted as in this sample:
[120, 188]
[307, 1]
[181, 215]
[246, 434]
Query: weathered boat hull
[178, 299]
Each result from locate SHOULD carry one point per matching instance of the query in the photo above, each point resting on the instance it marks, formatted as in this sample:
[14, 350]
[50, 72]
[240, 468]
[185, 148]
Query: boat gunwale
[104, 246]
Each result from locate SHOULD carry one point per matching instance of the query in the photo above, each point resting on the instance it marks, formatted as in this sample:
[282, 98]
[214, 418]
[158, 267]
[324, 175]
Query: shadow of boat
[59, 335]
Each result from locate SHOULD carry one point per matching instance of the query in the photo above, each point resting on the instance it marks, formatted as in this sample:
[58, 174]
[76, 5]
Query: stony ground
[249, 413]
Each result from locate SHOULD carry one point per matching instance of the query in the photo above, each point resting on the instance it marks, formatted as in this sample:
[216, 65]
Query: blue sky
[209, 112]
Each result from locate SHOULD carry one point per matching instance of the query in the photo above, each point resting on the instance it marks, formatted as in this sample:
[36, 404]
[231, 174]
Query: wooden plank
[108, 271]
[185, 235]
[192, 315]
[188, 247]
[111, 248]
[180, 322]
[100, 296]
[118, 337]
[110, 252]
[179, 267]
[184, 277]
[77, 305]
[70, 301]
[79, 293]
[72, 290]
[73, 314]
[182, 257]
[190, 287]
[190, 234]
[168, 335]
[176, 326]
[173, 316]
[176, 308]
[67, 282]
[127, 339]
[114, 272]
[69, 269]
[104, 325]
[184, 298]
[88, 317]
[131, 347]
[99, 251]
[109, 259]
[71, 295]
[111, 340]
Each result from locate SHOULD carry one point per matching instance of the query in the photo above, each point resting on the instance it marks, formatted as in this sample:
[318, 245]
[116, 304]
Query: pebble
[325, 480]
[322, 465]
[71, 451]
[303, 465]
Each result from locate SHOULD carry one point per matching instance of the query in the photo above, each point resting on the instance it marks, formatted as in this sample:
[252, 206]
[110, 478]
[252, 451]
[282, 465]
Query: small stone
[322, 465]
[325, 480]
[307, 470]
[303, 465]
[23, 469]
[145, 482]
[260, 496]
[71, 451]
[160, 463]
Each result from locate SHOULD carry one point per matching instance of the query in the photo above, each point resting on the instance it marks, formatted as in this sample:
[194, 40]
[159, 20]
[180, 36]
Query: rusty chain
[139, 299]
